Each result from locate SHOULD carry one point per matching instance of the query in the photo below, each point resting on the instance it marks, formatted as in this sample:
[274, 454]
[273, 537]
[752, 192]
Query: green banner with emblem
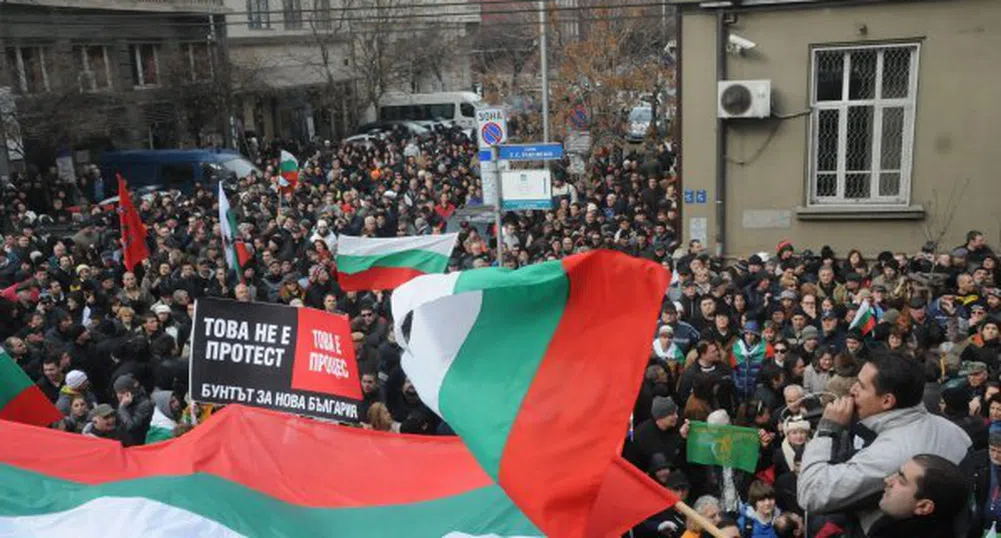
[727, 446]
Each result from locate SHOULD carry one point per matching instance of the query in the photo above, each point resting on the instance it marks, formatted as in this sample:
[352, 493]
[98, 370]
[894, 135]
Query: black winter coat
[648, 440]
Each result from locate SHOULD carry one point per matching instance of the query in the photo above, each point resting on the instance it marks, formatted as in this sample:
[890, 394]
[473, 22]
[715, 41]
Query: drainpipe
[679, 118]
[721, 42]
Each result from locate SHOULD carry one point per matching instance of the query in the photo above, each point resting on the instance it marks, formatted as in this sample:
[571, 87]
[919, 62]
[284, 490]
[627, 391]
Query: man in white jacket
[323, 233]
[893, 426]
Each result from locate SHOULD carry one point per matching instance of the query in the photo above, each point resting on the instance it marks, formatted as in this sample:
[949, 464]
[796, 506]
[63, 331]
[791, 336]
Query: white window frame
[22, 74]
[878, 103]
[88, 73]
[190, 49]
[137, 52]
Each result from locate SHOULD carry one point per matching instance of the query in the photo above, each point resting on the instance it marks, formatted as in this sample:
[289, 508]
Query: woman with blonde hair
[380, 419]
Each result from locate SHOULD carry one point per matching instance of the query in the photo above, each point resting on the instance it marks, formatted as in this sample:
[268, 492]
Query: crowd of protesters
[861, 431]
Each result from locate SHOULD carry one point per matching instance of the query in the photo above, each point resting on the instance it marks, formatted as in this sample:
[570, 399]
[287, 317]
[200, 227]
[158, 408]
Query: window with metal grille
[258, 14]
[292, 11]
[862, 124]
[322, 16]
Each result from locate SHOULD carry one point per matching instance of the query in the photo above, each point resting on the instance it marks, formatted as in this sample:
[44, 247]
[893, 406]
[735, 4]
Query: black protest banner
[298, 360]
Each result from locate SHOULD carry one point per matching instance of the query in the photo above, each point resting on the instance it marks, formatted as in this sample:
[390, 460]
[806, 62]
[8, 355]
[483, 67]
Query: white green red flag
[504, 357]
[249, 472]
[288, 166]
[161, 427]
[746, 356]
[865, 318]
[20, 399]
[367, 263]
[235, 251]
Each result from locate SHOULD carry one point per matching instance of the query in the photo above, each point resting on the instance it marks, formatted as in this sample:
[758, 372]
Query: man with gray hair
[797, 403]
[708, 507]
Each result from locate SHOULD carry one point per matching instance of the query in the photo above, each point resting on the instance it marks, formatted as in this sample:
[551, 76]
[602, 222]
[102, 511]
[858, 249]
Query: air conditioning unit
[744, 99]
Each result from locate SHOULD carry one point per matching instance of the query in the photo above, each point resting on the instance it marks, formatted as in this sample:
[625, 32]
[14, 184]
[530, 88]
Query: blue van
[173, 169]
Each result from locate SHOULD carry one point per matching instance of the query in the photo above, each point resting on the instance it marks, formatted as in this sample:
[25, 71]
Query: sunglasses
[781, 350]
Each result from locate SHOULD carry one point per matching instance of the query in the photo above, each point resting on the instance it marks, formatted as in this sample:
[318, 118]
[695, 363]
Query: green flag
[727, 446]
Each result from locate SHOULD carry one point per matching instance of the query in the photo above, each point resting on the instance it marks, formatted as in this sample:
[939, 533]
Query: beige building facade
[882, 132]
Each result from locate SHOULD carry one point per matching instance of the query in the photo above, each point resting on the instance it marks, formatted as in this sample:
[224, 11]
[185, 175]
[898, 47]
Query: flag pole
[701, 520]
[278, 220]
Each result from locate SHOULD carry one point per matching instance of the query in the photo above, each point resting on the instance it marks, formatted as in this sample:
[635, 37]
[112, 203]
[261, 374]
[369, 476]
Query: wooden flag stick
[706, 525]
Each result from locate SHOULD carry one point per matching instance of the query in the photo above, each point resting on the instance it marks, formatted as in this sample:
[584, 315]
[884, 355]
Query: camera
[739, 45]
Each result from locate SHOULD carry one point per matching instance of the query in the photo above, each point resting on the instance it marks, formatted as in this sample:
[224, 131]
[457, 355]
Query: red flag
[242, 253]
[134, 249]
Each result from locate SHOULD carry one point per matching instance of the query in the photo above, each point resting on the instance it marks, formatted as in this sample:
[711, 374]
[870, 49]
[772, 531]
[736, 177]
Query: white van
[458, 108]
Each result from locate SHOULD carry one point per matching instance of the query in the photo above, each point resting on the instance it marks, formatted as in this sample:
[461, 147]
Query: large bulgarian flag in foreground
[20, 399]
[365, 263]
[537, 370]
[249, 472]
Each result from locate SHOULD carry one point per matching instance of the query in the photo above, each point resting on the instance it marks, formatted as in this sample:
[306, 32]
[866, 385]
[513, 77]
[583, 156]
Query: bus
[458, 108]
[173, 169]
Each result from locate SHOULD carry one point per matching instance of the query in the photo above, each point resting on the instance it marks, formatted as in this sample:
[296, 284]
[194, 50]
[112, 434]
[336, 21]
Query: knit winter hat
[125, 382]
[810, 332]
[718, 417]
[663, 406]
[75, 379]
[797, 423]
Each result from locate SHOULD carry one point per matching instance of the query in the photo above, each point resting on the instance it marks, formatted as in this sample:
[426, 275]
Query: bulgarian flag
[504, 356]
[20, 399]
[365, 263]
[161, 426]
[289, 168]
[235, 251]
[318, 479]
[743, 355]
[865, 318]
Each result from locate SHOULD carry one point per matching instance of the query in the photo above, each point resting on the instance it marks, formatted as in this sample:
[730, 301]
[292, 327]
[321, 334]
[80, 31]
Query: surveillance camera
[740, 44]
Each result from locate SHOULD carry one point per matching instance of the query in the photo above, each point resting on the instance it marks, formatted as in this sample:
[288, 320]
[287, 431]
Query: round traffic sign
[492, 133]
[579, 117]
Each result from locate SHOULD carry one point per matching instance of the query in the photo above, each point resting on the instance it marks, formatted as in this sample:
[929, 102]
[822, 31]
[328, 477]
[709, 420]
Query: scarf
[790, 452]
[671, 354]
[746, 355]
[67, 390]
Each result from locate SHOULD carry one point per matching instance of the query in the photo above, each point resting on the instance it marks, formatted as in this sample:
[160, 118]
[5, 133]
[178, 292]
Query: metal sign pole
[499, 225]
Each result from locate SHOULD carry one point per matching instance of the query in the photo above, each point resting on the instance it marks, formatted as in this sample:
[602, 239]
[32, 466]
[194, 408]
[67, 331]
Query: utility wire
[502, 7]
[142, 20]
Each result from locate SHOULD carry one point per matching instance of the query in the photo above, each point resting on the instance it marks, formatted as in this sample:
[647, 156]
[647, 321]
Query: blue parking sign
[689, 196]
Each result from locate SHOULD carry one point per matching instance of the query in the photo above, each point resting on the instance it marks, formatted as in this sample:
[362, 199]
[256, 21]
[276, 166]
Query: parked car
[639, 122]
